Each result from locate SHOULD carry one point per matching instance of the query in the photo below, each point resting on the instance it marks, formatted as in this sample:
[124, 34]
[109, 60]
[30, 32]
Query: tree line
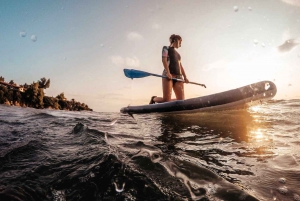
[34, 96]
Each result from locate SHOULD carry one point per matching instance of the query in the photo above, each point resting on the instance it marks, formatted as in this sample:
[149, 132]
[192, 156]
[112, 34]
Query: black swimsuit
[173, 58]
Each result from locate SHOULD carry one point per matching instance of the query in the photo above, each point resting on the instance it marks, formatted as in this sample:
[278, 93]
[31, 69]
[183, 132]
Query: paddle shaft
[180, 80]
[131, 73]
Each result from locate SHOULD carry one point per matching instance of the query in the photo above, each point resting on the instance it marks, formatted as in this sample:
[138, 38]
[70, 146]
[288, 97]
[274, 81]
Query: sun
[254, 67]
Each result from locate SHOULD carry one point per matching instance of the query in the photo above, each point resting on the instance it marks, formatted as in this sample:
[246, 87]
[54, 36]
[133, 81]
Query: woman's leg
[167, 91]
[179, 90]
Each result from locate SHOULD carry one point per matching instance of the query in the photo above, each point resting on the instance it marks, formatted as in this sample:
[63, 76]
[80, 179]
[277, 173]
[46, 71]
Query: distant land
[32, 95]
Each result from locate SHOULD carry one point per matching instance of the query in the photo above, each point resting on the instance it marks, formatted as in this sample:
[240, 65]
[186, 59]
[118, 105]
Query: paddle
[131, 73]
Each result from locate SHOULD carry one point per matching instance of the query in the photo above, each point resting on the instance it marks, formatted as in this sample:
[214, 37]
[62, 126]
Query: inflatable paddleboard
[239, 98]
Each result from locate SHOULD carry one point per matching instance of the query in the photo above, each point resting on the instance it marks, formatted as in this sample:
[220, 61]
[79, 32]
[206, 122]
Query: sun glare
[255, 67]
[258, 134]
[255, 108]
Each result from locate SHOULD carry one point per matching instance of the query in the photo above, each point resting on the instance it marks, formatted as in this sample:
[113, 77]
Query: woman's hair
[174, 38]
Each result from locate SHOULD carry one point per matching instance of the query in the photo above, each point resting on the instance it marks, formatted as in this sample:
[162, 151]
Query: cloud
[132, 62]
[134, 36]
[292, 2]
[117, 60]
[156, 26]
[128, 61]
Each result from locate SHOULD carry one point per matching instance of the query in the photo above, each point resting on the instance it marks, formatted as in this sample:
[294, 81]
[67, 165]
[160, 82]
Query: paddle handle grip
[203, 85]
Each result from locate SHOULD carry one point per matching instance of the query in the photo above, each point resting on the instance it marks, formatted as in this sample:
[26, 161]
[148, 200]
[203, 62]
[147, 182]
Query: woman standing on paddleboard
[172, 69]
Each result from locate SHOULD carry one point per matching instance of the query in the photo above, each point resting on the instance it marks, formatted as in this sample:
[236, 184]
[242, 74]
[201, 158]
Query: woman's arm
[165, 53]
[183, 73]
[166, 66]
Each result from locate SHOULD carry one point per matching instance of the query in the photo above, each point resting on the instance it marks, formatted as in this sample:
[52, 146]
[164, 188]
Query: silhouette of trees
[61, 96]
[26, 85]
[51, 102]
[1, 79]
[17, 97]
[7, 95]
[44, 83]
[34, 96]
[3, 92]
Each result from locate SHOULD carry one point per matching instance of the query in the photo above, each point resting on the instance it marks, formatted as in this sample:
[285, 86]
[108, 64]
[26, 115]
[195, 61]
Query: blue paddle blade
[131, 73]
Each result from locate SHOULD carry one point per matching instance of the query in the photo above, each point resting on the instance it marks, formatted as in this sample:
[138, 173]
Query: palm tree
[44, 83]
[47, 85]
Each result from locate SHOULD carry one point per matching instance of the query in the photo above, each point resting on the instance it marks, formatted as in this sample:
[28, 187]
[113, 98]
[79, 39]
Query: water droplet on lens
[283, 190]
[249, 8]
[33, 38]
[23, 33]
[296, 197]
[235, 8]
[263, 45]
[121, 189]
[255, 41]
[101, 45]
[267, 85]
[282, 180]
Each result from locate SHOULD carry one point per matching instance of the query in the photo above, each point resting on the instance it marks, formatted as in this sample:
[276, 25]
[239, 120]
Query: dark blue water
[248, 154]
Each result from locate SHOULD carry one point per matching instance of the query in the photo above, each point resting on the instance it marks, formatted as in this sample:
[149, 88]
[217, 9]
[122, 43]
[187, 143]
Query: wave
[94, 156]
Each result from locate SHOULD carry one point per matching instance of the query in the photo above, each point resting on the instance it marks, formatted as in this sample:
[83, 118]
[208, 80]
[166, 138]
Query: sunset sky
[84, 45]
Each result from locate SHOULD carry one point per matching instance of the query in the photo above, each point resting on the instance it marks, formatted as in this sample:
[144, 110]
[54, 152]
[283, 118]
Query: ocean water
[251, 154]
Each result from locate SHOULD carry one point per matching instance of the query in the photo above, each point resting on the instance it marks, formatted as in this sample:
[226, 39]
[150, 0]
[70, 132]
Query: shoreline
[33, 96]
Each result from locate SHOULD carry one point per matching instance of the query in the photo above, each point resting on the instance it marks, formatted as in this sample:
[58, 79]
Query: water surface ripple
[233, 155]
